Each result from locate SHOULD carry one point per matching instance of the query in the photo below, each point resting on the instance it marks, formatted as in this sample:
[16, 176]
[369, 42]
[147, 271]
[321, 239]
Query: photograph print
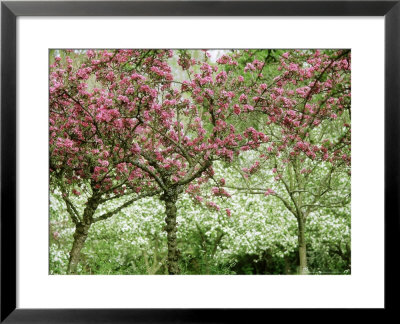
[199, 161]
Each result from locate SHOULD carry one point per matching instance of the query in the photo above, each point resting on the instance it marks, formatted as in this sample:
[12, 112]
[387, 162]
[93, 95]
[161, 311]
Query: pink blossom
[135, 148]
[221, 77]
[212, 205]
[249, 67]
[243, 98]
[248, 108]
[236, 109]
[269, 192]
[103, 163]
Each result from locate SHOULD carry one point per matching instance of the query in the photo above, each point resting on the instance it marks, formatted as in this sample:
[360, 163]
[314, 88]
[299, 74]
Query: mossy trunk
[171, 229]
[302, 246]
[80, 235]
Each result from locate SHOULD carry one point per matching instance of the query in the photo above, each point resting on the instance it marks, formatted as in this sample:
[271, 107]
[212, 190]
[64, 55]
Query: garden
[192, 162]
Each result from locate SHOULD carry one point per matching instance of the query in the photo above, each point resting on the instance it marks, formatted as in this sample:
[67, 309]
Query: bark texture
[302, 246]
[170, 199]
[80, 235]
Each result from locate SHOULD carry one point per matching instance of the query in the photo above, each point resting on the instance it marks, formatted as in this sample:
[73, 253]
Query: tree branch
[193, 176]
[126, 204]
[73, 212]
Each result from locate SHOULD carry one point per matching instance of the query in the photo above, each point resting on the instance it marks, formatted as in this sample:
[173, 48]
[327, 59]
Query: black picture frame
[10, 10]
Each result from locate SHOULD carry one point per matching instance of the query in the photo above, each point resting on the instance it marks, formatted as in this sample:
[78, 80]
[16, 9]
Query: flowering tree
[305, 113]
[124, 125]
[120, 123]
[87, 155]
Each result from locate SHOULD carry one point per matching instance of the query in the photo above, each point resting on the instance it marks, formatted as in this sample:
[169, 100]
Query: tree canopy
[200, 136]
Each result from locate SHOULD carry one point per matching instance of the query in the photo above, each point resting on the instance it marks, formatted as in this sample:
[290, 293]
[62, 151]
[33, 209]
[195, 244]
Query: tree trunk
[302, 246]
[287, 265]
[80, 235]
[171, 228]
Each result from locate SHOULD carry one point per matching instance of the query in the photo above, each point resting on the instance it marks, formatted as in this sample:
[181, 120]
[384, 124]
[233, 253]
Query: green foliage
[259, 238]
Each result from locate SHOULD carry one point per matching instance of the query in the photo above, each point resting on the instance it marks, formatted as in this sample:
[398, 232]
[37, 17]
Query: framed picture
[37, 38]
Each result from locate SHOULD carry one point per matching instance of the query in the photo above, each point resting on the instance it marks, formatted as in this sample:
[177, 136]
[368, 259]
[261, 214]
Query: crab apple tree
[121, 123]
[304, 109]
[86, 133]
